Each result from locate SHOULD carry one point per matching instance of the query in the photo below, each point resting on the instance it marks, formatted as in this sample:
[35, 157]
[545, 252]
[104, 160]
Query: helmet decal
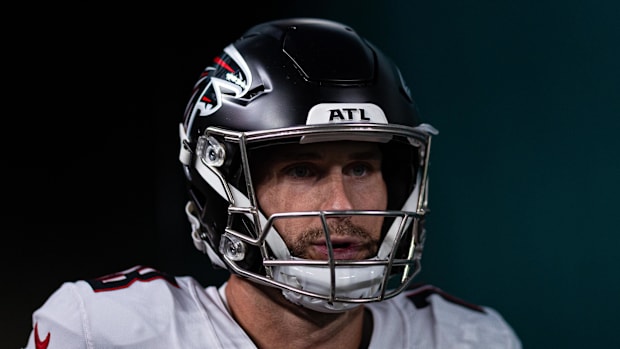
[325, 113]
[228, 75]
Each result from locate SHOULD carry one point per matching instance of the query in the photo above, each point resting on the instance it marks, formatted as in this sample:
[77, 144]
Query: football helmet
[303, 80]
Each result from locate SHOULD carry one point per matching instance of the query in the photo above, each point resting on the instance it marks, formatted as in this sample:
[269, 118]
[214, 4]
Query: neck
[273, 322]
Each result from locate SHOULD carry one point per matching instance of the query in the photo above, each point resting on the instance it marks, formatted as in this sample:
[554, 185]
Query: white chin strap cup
[350, 282]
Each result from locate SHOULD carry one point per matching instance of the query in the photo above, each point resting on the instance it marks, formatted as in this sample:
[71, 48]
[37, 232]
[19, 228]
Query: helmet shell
[279, 70]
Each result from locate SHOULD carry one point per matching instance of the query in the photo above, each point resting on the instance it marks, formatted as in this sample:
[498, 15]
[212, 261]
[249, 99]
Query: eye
[358, 170]
[299, 171]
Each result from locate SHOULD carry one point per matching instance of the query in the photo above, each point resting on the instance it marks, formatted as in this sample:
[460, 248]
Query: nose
[336, 194]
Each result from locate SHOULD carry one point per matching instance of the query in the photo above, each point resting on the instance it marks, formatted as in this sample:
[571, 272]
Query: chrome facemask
[323, 285]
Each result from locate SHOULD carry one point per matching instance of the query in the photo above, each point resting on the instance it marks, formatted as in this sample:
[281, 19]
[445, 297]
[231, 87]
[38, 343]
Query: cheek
[274, 197]
[369, 196]
[276, 201]
[280, 198]
[267, 201]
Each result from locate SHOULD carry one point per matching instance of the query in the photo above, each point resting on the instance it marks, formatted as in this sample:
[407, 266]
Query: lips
[345, 248]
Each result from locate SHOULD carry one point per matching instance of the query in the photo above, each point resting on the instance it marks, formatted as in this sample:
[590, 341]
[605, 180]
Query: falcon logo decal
[228, 75]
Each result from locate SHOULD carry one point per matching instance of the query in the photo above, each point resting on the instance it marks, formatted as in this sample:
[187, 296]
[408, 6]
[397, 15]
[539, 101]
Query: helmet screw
[232, 248]
[211, 151]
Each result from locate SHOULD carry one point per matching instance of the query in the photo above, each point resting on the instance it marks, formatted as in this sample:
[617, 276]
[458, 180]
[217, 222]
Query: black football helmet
[303, 80]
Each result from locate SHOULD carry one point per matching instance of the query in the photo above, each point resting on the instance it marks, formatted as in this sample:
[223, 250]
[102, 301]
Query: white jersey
[143, 308]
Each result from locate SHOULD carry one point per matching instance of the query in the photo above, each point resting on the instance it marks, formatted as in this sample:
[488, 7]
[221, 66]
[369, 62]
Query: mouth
[343, 249]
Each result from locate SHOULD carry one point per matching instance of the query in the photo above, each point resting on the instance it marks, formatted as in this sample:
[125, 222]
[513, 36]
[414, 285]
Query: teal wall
[525, 174]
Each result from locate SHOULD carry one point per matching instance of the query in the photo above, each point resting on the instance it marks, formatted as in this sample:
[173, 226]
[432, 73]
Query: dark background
[524, 177]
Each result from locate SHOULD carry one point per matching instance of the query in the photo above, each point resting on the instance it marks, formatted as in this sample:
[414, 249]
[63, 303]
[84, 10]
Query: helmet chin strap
[349, 282]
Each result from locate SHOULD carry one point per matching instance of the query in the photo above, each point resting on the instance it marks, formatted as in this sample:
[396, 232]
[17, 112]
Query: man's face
[341, 175]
